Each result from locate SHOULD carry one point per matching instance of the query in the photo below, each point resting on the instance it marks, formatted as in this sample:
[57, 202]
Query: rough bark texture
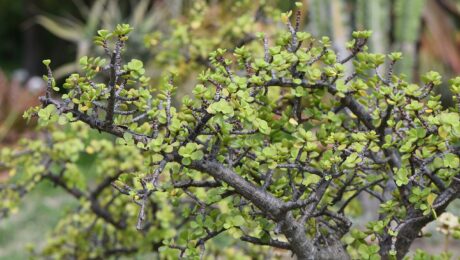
[411, 227]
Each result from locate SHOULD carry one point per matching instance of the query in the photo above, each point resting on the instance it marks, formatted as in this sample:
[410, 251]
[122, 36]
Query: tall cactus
[341, 26]
[329, 17]
[407, 29]
[319, 17]
[374, 15]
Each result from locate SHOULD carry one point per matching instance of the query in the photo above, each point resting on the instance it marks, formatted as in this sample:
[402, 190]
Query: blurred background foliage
[177, 35]
[426, 31]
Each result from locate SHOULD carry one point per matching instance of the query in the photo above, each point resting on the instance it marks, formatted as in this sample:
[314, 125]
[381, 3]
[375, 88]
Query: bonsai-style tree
[277, 147]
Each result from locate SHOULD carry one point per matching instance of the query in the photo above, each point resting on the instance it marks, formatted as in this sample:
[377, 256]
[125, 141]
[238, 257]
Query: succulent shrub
[276, 148]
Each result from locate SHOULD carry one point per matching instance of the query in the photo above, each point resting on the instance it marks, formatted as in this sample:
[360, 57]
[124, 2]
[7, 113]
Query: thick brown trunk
[303, 247]
[415, 221]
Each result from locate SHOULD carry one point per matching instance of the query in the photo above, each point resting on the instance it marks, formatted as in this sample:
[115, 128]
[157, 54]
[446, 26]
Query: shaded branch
[272, 242]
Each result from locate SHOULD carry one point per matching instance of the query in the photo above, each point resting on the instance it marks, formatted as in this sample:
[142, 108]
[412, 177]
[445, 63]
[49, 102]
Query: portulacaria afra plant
[277, 147]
